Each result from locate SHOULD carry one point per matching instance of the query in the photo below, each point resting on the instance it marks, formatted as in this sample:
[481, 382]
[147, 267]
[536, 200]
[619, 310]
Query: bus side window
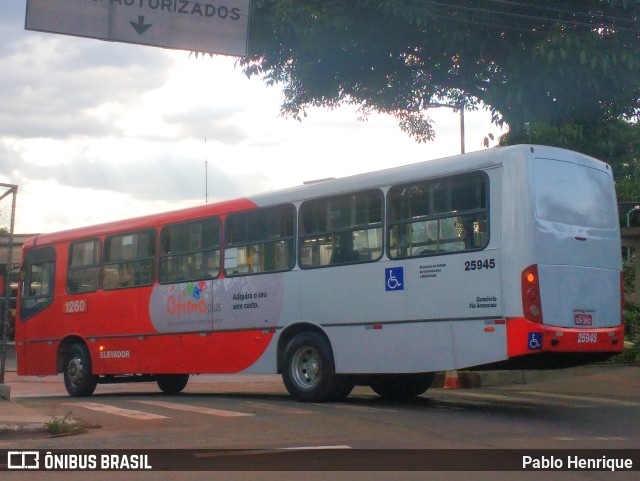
[260, 241]
[38, 280]
[343, 229]
[129, 260]
[438, 216]
[190, 251]
[83, 274]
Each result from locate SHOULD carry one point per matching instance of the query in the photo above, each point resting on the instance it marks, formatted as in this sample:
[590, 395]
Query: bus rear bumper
[525, 338]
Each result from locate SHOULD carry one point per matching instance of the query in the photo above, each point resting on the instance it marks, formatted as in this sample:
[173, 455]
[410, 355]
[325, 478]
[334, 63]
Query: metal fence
[629, 213]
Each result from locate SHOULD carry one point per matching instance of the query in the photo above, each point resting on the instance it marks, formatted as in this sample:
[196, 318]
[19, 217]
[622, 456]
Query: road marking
[129, 413]
[597, 438]
[493, 397]
[511, 399]
[308, 448]
[279, 409]
[195, 409]
[617, 379]
[612, 402]
[224, 453]
[361, 409]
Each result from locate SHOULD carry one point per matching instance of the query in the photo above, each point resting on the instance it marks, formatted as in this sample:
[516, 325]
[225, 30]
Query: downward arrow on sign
[141, 27]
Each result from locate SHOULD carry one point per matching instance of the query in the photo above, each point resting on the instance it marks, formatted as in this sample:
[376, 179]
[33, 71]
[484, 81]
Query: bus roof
[333, 186]
[142, 222]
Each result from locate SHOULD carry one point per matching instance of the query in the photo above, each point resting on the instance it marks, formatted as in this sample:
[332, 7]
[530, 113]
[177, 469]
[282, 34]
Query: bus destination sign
[210, 26]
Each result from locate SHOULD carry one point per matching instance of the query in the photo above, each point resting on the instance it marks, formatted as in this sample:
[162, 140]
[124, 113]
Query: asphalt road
[586, 408]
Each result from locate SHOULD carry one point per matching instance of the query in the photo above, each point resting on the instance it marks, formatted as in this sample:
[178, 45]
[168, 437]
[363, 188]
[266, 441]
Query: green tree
[545, 62]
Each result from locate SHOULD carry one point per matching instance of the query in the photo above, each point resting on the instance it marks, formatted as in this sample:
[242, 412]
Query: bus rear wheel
[172, 383]
[309, 372]
[402, 386]
[78, 377]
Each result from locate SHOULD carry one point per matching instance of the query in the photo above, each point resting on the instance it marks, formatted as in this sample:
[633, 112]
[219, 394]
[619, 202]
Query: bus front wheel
[172, 383]
[78, 378]
[309, 372]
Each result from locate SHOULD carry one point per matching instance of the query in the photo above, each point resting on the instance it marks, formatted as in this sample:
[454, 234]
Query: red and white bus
[508, 257]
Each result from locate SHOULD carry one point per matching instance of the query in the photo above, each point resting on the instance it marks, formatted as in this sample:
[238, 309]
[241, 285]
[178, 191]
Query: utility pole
[206, 174]
[462, 150]
[437, 105]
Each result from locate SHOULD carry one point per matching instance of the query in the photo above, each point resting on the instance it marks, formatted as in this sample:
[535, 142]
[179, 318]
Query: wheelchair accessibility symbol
[535, 341]
[394, 279]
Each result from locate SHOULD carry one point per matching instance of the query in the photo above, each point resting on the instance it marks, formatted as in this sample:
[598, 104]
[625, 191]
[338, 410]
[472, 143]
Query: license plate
[582, 319]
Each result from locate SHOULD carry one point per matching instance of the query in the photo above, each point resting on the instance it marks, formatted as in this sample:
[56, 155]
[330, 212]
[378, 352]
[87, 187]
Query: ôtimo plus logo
[187, 299]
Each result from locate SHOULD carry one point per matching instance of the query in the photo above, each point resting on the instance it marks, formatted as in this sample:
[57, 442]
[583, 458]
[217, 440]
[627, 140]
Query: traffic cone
[451, 380]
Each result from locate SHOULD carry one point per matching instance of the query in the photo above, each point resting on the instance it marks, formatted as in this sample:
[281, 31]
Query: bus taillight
[531, 304]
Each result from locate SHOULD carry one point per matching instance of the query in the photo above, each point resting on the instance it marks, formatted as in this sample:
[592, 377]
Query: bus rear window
[573, 194]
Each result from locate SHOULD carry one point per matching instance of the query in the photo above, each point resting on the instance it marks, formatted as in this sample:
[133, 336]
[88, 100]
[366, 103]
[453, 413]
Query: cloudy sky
[93, 131]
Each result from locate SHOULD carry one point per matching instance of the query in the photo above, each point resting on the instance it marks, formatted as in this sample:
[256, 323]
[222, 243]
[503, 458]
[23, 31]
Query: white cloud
[52, 84]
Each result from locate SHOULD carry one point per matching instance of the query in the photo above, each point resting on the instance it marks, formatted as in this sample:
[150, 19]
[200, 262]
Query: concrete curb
[477, 379]
[31, 428]
[17, 418]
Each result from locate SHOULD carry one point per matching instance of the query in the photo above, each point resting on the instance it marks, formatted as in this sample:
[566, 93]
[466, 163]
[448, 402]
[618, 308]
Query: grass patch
[631, 351]
[630, 354]
[65, 426]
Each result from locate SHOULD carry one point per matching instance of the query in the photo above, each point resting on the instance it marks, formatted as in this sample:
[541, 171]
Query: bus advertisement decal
[219, 304]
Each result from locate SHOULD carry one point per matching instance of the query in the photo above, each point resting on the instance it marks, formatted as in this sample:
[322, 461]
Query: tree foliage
[529, 62]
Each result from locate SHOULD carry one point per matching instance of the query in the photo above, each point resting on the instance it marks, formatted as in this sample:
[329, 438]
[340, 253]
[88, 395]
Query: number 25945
[587, 338]
[479, 264]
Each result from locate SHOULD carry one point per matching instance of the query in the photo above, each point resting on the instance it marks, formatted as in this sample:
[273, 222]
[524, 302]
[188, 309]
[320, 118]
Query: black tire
[402, 386]
[309, 370]
[344, 387]
[172, 383]
[78, 376]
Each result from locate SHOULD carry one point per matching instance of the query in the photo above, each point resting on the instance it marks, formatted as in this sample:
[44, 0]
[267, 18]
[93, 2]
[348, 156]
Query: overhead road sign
[212, 26]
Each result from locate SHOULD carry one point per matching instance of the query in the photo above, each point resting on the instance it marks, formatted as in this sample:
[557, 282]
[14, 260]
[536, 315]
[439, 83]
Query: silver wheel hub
[306, 367]
[75, 371]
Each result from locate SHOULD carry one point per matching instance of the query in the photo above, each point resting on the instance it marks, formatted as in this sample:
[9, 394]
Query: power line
[539, 18]
[570, 10]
